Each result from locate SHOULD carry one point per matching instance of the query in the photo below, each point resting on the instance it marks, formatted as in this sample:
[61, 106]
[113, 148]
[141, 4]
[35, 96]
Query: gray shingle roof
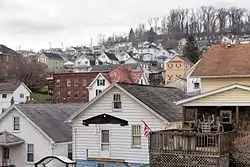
[103, 68]
[7, 138]
[159, 99]
[5, 50]
[53, 56]
[9, 87]
[50, 118]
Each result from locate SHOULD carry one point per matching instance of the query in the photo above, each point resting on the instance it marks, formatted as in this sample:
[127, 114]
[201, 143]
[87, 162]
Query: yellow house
[176, 68]
[217, 121]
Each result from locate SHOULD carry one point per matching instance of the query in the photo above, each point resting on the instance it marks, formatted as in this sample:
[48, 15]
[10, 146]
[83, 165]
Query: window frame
[133, 136]
[21, 95]
[16, 124]
[97, 92]
[100, 82]
[84, 82]
[105, 143]
[76, 82]
[68, 82]
[84, 93]
[195, 87]
[117, 100]
[230, 116]
[4, 96]
[70, 151]
[32, 153]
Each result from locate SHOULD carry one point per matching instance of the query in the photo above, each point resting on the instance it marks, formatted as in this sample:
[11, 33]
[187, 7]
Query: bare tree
[222, 15]
[156, 22]
[150, 22]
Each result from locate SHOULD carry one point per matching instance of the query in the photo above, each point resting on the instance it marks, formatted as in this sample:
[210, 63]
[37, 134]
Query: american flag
[146, 129]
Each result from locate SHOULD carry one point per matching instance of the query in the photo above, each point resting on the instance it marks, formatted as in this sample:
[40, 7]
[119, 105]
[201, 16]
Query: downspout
[53, 148]
[75, 144]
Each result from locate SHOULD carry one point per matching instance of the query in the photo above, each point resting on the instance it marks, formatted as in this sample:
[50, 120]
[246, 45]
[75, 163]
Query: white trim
[213, 92]
[14, 107]
[218, 104]
[107, 90]
[100, 74]
[26, 87]
[192, 68]
[224, 76]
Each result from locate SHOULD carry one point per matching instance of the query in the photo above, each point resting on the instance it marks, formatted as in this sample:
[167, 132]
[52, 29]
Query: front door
[6, 156]
[105, 143]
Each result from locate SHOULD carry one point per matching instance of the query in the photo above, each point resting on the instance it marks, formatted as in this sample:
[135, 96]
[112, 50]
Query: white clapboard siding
[88, 137]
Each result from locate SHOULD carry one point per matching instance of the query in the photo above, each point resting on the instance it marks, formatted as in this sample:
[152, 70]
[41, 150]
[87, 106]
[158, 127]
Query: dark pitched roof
[103, 68]
[53, 56]
[9, 87]
[159, 99]
[7, 138]
[5, 50]
[50, 118]
[111, 56]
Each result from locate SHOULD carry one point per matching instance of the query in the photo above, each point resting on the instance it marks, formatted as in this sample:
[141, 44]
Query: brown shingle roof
[221, 60]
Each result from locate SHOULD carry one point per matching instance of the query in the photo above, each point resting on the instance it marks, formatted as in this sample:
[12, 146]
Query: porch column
[183, 115]
[237, 118]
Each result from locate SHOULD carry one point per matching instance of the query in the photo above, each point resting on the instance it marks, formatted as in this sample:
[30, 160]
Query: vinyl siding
[233, 95]
[31, 135]
[208, 84]
[88, 137]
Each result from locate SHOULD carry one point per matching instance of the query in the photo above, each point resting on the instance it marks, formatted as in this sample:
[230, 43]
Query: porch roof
[8, 139]
[232, 95]
[104, 119]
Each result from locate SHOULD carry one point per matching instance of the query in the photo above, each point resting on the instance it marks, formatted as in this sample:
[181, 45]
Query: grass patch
[40, 97]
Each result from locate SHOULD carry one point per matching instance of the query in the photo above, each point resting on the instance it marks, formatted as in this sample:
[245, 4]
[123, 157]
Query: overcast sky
[34, 23]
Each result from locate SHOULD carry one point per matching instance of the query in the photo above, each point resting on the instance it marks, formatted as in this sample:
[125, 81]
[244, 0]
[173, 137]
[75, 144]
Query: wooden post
[237, 118]
[183, 115]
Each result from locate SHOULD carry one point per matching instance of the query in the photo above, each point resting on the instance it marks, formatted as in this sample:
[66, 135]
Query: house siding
[94, 87]
[175, 68]
[120, 137]
[31, 135]
[233, 95]
[208, 84]
[5, 103]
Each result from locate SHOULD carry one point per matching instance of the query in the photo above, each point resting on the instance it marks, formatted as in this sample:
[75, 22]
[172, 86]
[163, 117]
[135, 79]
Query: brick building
[72, 87]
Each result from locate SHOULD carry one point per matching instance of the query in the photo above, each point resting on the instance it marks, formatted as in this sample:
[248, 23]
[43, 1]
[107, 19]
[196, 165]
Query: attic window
[4, 96]
[196, 85]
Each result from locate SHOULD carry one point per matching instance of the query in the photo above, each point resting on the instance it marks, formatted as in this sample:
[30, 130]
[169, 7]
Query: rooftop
[9, 87]
[224, 60]
[159, 99]
[50, 118]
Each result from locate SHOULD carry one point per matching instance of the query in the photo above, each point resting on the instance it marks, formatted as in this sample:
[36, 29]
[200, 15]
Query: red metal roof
[121, 74]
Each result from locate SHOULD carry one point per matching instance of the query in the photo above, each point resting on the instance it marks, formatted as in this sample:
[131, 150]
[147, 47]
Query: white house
[108, 58]
[122, 56]
[193, 83]
[118, 74]
[13, 93]
[30, 132]
[109, 129]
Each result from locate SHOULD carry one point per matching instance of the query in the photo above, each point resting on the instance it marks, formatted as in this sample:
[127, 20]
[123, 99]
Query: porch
[8, 144]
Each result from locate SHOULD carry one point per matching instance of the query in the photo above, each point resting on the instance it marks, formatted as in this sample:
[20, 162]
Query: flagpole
[146, 125]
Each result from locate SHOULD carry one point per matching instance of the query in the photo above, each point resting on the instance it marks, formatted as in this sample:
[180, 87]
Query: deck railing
[191, 142]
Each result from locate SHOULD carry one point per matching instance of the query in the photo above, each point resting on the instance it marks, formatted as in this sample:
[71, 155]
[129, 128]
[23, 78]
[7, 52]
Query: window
[170, 65]
[6, 153]
[136, 135]
[84, 93]
[226, 116]
[141, 81]
[4, 96]
[70, 150]
[16, 123]
[21, 95]
[68, 94]
[105, 140]
[30, 152]
[97, 92]
[58, 83]
[117, 101]
[76, 82]
[100, 82]
[196, 85]
[76, 93]
[68, 82]
[84, 82]
[178, 65]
